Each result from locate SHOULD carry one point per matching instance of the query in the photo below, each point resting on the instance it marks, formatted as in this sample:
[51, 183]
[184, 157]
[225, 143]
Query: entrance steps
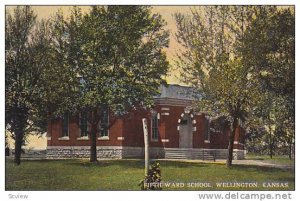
[199, 154]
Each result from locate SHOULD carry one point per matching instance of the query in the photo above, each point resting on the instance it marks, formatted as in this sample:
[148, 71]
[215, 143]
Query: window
[65, 125]
[104, 122]
[83, 124]
[154, 127]
[207, 130]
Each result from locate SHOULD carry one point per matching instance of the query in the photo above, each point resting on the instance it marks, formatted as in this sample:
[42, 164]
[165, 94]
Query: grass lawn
[125, 175]
[282, 160]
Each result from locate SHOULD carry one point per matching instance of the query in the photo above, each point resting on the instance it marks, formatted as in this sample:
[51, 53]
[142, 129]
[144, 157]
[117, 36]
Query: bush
[152, 181]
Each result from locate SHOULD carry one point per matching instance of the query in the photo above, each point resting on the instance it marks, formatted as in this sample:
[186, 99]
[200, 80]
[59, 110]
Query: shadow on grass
[107, 163]
[179, 164]
[133, 163]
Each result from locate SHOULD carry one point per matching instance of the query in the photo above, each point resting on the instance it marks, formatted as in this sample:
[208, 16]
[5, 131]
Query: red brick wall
[133, 128]
[55, 131]
[130, 127]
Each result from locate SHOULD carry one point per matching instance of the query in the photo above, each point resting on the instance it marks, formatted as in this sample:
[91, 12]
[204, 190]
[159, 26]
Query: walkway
[262, 164]
[239, 162]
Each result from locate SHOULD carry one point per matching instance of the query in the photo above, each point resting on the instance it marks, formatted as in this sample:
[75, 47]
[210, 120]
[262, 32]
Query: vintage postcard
[176, 98]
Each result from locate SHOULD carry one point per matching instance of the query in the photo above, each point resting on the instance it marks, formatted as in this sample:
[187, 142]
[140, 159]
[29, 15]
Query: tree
[229, 92]
[269, 54]
[24, 47]
[246, 45]
[211, 63]
[112, 57]
[270, 128]
[270, 115]
[272, 36]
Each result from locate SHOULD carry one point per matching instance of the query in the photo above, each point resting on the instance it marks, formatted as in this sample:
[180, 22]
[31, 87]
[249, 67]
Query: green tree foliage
[109, 57]
[24, 63]
[210, 62]
[112, 57]
[270, 112]
[269, 50]
[270, 129]
[234, 56]
[269, 54]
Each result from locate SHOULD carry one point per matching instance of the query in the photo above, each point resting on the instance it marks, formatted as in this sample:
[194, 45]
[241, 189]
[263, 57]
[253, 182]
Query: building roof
[176, 92]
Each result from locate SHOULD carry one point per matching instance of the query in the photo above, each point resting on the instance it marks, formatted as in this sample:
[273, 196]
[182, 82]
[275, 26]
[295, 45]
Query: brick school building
[175, 132]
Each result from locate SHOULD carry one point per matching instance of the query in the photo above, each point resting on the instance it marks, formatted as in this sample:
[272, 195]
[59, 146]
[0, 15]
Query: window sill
[103, 138]
[121, 138]
[154, 140]
[207, 141]
[83, 138]
[64, 138]
[164, 140]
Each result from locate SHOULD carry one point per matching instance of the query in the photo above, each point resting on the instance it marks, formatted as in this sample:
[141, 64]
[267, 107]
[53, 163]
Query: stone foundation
[119, 152]
[82, 152]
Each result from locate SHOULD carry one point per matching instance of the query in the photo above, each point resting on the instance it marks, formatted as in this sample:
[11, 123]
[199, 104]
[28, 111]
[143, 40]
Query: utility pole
[146, 140]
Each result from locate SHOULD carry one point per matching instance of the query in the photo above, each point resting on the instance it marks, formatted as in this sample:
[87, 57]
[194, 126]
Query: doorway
[186, 132]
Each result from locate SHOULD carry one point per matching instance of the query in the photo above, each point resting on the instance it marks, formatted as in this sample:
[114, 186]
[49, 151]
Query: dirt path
[262, 164]
[240, 162]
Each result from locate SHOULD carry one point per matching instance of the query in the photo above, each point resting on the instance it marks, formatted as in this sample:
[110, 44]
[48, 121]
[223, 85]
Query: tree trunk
[271, 143]
[20, 119]
[18, 145]
[93, 151]
[231, 143]
[271, 151]
[94, 119]
[270, 138]
[290, 151]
